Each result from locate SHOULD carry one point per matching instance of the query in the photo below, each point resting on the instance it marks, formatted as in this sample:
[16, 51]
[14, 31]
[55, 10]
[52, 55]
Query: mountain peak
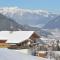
[5, 10]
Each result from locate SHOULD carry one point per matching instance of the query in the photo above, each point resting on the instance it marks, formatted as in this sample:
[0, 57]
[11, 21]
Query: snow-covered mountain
[30, 17]
[53, 24]
[7, 24]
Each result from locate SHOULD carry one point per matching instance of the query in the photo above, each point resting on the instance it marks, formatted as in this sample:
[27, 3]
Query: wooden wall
[4, 45]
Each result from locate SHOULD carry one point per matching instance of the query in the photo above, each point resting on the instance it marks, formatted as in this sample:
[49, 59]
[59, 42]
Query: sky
[51, 5]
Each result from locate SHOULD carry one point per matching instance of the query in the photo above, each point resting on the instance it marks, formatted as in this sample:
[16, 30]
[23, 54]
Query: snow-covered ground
[6, 54]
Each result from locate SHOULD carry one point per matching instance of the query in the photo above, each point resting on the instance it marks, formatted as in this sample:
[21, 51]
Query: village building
[18, 38]
[22, 39]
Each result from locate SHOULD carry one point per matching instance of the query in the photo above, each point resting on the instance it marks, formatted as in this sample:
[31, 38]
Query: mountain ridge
[28, 16]
[7, 24]
[53, 24]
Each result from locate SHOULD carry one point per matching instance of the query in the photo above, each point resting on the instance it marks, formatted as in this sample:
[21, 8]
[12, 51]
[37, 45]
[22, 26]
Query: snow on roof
[4, 35]
[15, 36]
[16, 55]
[19, 36]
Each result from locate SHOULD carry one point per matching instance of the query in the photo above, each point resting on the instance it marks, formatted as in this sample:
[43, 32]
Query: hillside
[9, 24]
[53, 24]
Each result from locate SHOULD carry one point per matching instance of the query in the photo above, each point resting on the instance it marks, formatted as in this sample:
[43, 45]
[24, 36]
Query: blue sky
[33, 4]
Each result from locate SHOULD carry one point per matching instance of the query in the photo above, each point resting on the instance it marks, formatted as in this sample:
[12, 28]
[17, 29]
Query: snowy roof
[15, 36]
[4, 35]
[19, 36]
[16, 55]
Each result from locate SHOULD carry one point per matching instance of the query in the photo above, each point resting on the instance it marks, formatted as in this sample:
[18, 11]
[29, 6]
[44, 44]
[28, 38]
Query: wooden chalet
[29, 37]
[18, 39]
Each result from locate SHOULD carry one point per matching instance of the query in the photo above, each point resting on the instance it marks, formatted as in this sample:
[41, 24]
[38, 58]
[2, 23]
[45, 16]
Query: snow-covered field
[6, 54]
